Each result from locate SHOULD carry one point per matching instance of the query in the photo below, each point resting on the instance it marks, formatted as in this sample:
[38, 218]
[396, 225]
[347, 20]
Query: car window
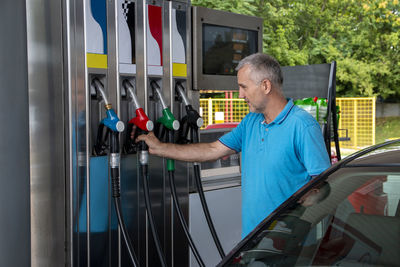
[350, 219]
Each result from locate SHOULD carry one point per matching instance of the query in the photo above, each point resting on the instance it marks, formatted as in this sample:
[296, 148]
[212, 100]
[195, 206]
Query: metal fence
[356, 123]
[219, 110]
[357, 120]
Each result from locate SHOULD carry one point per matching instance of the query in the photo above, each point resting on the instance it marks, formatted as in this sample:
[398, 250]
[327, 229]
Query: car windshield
[350, 218]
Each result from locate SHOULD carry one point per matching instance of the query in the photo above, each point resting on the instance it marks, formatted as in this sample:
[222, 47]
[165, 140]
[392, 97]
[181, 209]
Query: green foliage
[362, 36]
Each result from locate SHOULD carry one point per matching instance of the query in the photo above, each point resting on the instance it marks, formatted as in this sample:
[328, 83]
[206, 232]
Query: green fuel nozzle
[168, 120]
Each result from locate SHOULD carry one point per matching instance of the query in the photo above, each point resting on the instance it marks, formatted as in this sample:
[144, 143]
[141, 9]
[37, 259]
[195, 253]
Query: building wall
[387, 110]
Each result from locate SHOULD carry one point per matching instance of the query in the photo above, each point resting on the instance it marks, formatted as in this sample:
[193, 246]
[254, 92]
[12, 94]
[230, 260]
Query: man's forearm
[199, 152]
[189, 152]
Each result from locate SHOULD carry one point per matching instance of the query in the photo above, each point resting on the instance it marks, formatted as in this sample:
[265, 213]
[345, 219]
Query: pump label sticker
[96, 33]
[154, 40]
[126, 36]
[179, 66]
[98, 61]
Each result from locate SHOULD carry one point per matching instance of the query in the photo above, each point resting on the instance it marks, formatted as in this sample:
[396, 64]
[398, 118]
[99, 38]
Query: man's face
[251, 91]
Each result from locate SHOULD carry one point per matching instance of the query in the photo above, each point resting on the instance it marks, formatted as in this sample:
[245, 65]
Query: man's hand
[155, 146]
[199, 152]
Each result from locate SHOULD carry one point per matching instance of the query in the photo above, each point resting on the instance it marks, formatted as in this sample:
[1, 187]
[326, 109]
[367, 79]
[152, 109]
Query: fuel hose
[171, 175]
[191, 123]
[143, 160]
[116, 194]
[203, 201]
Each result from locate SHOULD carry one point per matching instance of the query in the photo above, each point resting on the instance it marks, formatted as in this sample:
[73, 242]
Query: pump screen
[224, 47]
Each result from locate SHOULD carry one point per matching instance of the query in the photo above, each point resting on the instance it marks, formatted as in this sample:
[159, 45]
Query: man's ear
[266, 86]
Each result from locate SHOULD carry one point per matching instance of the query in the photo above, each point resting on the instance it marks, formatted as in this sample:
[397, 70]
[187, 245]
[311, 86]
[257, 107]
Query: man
[282, 145]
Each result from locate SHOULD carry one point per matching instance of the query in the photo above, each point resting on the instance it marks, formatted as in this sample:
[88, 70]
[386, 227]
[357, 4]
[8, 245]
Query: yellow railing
[222, 110]
[357, 117]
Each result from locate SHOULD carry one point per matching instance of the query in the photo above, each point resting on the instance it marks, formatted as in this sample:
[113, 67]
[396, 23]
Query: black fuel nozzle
[192, 121]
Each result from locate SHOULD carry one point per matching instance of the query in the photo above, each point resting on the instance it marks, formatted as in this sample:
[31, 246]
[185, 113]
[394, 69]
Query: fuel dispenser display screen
[224, 47]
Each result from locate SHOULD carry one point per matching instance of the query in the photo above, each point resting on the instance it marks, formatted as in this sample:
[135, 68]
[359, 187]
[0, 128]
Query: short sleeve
[233, 139]
[313, 151]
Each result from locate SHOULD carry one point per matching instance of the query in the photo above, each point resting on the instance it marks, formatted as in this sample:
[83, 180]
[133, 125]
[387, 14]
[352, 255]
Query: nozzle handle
[142, 121]
[112, 121]
[168, 120]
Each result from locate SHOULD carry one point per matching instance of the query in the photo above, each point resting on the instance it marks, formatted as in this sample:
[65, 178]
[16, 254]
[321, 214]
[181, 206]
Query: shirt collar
[284, 113]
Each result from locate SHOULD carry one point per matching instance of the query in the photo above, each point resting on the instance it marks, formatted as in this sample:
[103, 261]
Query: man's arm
[199, 152]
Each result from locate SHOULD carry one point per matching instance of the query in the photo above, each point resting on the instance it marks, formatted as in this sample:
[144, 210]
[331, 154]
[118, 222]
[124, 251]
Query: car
[347, 216]
[222, 125]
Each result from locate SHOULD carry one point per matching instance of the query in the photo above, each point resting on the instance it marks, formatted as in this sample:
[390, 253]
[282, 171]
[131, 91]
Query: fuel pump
[144, 125]
[167, 124]
[113, 127]
[189, 133]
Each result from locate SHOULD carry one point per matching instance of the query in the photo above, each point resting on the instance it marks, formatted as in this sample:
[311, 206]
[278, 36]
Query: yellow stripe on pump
[98, 61]
[179, 70]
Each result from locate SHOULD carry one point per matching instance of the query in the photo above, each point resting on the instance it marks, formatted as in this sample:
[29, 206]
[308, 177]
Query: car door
[349, 216]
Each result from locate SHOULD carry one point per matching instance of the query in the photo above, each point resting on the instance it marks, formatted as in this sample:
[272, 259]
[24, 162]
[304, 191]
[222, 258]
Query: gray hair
[263, 67]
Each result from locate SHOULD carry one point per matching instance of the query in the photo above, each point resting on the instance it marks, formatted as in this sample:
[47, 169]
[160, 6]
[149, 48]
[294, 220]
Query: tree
[362, 36]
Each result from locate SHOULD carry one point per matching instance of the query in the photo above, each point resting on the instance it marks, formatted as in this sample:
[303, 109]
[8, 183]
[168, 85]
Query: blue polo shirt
[277, 159]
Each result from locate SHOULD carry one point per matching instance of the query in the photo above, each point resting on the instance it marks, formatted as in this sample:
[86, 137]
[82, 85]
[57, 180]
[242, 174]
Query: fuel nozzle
[191, 121]
[141, 120]
[167, 119]
[193, 117]
[167, 124]
[111, 121]
[143, 124]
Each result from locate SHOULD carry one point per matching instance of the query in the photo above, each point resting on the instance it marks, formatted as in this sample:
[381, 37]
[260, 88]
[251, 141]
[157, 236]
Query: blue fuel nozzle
[112, 121]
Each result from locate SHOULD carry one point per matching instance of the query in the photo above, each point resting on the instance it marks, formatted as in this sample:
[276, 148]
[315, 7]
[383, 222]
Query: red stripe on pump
[155, 23]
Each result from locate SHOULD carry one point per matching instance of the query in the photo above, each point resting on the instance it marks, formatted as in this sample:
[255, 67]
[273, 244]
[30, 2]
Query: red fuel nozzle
[142, 121]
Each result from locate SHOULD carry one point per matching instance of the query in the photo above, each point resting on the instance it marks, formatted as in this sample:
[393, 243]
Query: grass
[387, 128]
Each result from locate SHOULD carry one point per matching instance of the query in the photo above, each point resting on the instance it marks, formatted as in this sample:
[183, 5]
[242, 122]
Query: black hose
[116, 194]
[150, 215]
[206, 211]
[195, 137]
[128, 243]
[182, 220]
